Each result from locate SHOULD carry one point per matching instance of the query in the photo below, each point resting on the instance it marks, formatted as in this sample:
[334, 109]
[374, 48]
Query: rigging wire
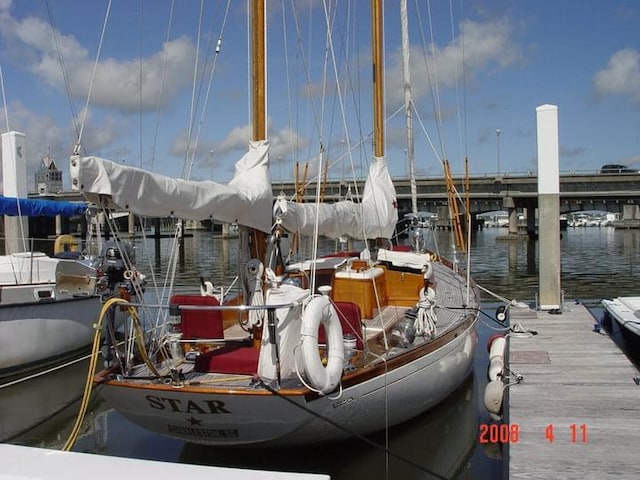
[218, 48]
[163, 75]
[186, 171]
[65, 76]
[77, 147]
[343, 429]
[4, 100]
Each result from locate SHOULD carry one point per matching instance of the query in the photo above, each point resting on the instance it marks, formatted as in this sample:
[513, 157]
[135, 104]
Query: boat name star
[205, 408]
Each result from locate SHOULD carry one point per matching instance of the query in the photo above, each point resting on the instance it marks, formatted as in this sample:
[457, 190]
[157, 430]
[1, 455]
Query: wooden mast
[378, 79]
[258, 70]
[258, 98]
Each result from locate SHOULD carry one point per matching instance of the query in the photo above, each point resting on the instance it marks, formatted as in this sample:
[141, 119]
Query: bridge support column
[531, 222]
[509, 205]
[513, 221]
[132, 225]
[548, 208]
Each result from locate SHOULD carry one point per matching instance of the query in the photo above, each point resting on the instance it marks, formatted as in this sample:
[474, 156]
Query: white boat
[30, 463]
[44, 301]
[309, 352]
[626, 312]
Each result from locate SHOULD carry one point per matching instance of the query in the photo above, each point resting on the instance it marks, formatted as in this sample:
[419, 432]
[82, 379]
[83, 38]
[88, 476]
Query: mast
[378, 79]
[406, 73]
[258, 99]
[258, 74]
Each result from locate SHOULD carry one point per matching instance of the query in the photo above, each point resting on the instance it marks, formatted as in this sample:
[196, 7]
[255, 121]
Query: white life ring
[325, 379]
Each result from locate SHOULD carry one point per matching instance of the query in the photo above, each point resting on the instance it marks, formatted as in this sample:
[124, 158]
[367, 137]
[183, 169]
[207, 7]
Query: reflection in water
[32, 408]
[440, 441]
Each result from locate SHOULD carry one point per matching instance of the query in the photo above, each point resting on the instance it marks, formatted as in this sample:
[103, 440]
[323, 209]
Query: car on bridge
[613, 168]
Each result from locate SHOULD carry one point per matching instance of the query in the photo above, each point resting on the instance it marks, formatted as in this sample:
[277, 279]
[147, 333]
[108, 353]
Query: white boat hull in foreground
[30, 463]
[626, 311]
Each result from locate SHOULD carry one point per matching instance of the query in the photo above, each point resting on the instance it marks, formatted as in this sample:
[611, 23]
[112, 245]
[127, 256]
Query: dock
[576, 412]
[19, 462]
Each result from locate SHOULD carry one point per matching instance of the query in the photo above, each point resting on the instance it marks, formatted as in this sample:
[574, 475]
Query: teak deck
[579, 387]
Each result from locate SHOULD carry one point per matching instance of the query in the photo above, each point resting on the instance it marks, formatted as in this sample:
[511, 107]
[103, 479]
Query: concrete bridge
[578, 192]
[613, 192]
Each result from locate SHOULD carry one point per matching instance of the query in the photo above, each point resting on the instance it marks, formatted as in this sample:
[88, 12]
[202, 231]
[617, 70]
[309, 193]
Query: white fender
[493, 396]
[496, 358]
[428, 271]
[320, 310]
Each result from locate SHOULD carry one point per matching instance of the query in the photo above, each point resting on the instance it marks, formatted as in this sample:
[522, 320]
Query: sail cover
[39, 207]
[245, 200]
[375, 217]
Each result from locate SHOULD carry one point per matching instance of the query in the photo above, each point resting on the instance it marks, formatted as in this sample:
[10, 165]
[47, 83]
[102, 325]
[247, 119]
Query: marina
[317, 335]
[453, 427]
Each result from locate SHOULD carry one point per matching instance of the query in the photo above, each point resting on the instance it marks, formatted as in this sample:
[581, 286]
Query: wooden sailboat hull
[256, 416]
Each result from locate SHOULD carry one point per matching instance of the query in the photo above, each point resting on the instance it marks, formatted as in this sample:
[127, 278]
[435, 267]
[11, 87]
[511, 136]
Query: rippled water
[596, 263]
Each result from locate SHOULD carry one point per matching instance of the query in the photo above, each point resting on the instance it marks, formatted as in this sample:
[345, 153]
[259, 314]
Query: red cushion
[350, 320]
[199, 323]
[230, 360]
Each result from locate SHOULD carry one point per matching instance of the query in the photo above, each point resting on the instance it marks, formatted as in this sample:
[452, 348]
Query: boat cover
[36, 207]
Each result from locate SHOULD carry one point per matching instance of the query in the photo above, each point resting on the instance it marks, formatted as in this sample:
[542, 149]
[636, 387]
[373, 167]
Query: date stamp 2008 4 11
[510, 433]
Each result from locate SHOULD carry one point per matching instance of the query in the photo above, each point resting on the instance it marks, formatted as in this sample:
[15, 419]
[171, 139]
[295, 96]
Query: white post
[548, 207]
[14, 180]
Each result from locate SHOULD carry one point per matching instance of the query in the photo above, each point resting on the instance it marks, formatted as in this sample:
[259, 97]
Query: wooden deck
[577, 386]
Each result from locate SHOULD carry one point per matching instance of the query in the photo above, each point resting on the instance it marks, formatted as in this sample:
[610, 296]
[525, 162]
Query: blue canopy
[36, 207]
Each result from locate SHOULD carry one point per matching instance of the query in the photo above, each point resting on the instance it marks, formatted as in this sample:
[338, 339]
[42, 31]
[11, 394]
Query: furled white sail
[245, 200]
[375, 217]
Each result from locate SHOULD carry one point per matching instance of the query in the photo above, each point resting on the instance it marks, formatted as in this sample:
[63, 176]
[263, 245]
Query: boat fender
[66, 246]
[493, 396]
[428, 272]
[318, 311]
[496, 357]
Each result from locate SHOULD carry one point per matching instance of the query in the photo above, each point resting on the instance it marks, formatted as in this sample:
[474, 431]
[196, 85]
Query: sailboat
[309, 352]
[44, 301]
[48, 304]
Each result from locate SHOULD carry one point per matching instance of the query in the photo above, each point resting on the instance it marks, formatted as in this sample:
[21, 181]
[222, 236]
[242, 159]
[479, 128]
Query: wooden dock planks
[578, 386]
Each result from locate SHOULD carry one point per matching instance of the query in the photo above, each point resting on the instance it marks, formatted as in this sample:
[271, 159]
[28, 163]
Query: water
[596, 263]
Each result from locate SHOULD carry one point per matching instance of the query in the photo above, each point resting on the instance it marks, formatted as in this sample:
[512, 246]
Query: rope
[92, 368]
[44, 372]
[425, 322]
[501, 298]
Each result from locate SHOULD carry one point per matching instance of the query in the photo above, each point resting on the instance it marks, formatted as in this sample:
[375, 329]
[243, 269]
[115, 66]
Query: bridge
[578, 192]
[612, 192]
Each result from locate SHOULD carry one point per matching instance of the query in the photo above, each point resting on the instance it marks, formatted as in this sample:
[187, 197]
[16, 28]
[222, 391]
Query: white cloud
[480, 45]
[33, 44]
[622, 75]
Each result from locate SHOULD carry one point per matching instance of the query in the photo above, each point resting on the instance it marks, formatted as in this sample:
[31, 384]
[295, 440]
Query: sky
[479, 67]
